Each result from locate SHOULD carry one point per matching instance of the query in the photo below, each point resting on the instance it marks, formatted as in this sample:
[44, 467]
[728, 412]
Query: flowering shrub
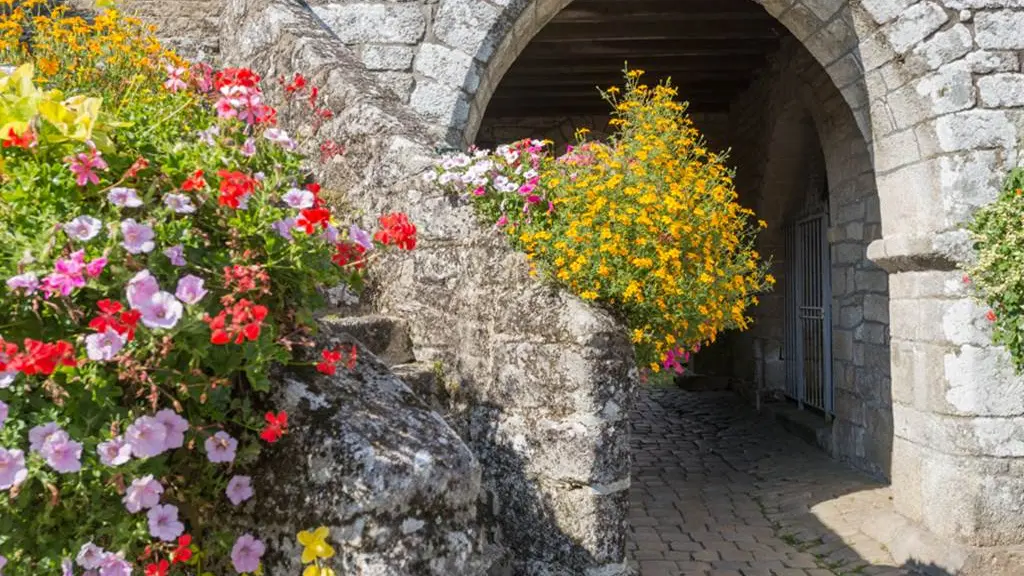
[646, 223]
[998, 272]
[161, 247]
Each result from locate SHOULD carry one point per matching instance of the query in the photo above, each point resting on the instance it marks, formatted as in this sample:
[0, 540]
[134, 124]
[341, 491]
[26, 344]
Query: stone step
[426, 381]
[387, 338]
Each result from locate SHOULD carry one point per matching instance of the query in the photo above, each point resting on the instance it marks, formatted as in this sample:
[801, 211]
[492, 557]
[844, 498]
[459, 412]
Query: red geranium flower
[346, 253]
[329, 363]
[183, 553]
[194, 182]
[991, 316]
[234, 187]
[42, 357]
[24, 140]
[310, 217]
[246, 320]
[277, 426]
[297, 83]
[158, 569]
[396, 229]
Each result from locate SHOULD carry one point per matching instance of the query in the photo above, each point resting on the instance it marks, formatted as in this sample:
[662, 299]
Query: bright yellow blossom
[315, 546]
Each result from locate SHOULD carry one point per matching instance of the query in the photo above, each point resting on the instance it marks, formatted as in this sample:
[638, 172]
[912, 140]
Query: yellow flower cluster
[71, 51]
[649, 224]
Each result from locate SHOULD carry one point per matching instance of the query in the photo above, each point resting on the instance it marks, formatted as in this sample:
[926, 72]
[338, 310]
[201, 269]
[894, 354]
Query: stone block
[439, 102]
[907, 463]
[885, 10]
[842, 345]
[876, 308]
[872, 280]
[945, 46]
[386, 56]
[973, 500]
[449, 67]
[983, 382]
[914, 24]
[949, 89]
[373, 460]
[999, 29]
[1001, 90]
[469, 27]
[364, 22]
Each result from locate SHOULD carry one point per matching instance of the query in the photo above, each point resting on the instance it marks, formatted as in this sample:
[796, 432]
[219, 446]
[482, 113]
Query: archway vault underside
[709, 49]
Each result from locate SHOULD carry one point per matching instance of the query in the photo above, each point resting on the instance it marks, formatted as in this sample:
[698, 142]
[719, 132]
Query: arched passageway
[821, 338]
[818, 354]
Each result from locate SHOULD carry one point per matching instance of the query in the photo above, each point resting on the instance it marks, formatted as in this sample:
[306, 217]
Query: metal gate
[809, 314]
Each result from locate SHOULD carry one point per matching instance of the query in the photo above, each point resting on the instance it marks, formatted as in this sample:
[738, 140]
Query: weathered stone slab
[365, 457]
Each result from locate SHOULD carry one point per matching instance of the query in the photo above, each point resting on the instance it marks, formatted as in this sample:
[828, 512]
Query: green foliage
[998, 273]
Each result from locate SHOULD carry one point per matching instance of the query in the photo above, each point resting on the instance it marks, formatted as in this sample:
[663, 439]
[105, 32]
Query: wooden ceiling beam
[543, 80]
[653, 48]
[566, 32]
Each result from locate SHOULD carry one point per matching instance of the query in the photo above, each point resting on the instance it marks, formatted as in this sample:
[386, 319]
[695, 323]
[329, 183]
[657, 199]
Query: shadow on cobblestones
[721, 490]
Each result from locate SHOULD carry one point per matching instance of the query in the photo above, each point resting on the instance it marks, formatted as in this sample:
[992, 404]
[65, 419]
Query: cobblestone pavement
[720, 490]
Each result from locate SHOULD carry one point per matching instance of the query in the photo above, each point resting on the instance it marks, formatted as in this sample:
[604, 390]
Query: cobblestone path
[721, 490]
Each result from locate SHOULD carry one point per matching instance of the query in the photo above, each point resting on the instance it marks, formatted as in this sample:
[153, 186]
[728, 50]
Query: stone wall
[542, 383]
[794, 137]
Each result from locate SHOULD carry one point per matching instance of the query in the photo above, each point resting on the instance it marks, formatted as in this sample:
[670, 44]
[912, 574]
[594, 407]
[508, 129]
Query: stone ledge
[943, 251]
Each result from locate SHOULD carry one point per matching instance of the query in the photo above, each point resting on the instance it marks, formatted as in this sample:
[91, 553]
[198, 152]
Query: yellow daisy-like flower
[315, 545]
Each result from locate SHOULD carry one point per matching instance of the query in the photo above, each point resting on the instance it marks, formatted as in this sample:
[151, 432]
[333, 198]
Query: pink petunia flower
[163, 523]
[95, 267]
[190, 289]
[299, 199]
[138, 238]
[221, 447]
[124, 197]
[280, 137]
[239, 489]
[147, 437]
[248, 148]
[90, 556]
[114, 452]
[174, 81]
[246, 554]
[62, 453]
[3, 562]
[162, 311]
[27, 282]
[67, 275]
[38, 435]
[284, 228]
[143, 494]
[103, 346]
[83, 228]
[176, 254]
[82, 165]
[361, 237]
[141, 289]
[12, 468]
[180, 203]
[114, 565]
[176, 427]
[3, 413]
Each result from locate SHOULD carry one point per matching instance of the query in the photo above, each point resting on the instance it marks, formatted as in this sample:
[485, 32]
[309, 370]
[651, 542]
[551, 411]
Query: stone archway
[933, 153]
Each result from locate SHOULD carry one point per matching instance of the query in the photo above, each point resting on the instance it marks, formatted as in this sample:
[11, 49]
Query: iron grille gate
[809, 315]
